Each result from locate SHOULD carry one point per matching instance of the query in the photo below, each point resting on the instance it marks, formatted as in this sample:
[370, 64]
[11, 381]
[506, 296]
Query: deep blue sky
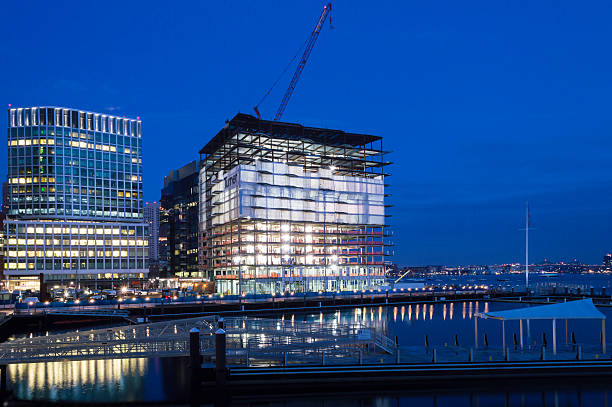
[486, 104]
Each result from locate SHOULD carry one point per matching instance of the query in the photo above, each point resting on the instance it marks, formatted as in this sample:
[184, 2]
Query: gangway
[261, 338]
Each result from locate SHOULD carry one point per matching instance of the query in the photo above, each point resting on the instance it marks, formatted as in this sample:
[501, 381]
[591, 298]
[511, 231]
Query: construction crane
[298, 72]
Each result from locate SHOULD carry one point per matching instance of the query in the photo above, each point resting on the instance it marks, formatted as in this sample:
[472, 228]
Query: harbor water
[160, 380]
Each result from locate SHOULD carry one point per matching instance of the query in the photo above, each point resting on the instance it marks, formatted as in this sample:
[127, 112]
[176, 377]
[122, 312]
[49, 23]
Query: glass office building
[178, 231]
[287, 208]
[74, 196]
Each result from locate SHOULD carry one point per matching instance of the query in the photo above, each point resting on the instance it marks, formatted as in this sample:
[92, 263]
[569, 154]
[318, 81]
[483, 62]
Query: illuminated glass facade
[285, 208]
[74, 194]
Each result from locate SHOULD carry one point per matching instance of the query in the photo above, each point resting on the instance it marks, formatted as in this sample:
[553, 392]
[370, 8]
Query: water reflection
[165, 379]
[109, 380]
[441, 323]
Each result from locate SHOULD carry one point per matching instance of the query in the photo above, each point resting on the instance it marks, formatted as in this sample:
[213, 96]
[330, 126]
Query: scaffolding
[288, 208]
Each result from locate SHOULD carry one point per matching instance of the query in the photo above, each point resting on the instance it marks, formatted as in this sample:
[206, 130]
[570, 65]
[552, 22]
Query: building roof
[289, 131]
[16, 108]
[581, 309]
[181, 173]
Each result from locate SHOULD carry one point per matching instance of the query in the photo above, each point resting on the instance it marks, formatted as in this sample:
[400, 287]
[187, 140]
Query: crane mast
[305, 56]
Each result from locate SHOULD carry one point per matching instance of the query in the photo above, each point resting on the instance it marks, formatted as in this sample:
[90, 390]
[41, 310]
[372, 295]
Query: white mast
[527, 249]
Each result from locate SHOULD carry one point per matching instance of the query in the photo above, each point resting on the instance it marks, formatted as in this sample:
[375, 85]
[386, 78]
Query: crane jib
[296, 76]
[300, 68]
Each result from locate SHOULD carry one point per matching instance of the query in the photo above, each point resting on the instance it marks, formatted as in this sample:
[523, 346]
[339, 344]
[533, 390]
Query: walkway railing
[247, 339]
[157, 339]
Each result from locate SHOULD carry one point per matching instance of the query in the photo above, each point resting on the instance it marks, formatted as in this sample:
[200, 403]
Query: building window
[50, 116]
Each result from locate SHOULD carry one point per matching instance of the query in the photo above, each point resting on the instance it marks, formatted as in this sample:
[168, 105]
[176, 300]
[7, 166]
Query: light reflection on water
[159, 379]
[442, 321]
[108, 380]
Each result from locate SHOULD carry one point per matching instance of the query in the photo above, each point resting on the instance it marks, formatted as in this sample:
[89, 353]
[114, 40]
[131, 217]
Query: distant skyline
[485, 105]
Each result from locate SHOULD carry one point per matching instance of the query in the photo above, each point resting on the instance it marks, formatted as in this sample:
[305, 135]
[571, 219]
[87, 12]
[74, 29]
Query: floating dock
[244, 380]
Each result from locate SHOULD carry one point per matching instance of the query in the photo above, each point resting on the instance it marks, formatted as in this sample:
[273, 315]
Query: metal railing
[247, 339]
[169, 338]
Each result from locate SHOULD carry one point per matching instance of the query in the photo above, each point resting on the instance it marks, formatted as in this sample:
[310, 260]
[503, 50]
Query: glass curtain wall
[74, 194]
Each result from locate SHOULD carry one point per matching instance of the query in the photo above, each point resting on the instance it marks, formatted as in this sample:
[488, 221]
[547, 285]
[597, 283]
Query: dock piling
[471, 355]
[194, 357]
[506, 354]
[579, 352]
[434, 358]
[514, 340]
[476, 331]
[220, 354]
[554, 336]
[543, 353]
[603, 336]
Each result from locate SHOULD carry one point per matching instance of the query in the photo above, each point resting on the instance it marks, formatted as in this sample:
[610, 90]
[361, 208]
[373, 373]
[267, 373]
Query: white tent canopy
[581, 309]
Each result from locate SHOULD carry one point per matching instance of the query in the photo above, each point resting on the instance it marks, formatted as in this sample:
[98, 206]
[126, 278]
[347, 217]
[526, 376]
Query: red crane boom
[300, 68]
[296, 76]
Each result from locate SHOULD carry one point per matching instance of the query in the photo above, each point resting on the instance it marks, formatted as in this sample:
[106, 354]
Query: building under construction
[288, 208]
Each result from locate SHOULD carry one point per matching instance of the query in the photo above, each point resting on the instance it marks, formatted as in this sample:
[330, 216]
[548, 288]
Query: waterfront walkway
[249, 339]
